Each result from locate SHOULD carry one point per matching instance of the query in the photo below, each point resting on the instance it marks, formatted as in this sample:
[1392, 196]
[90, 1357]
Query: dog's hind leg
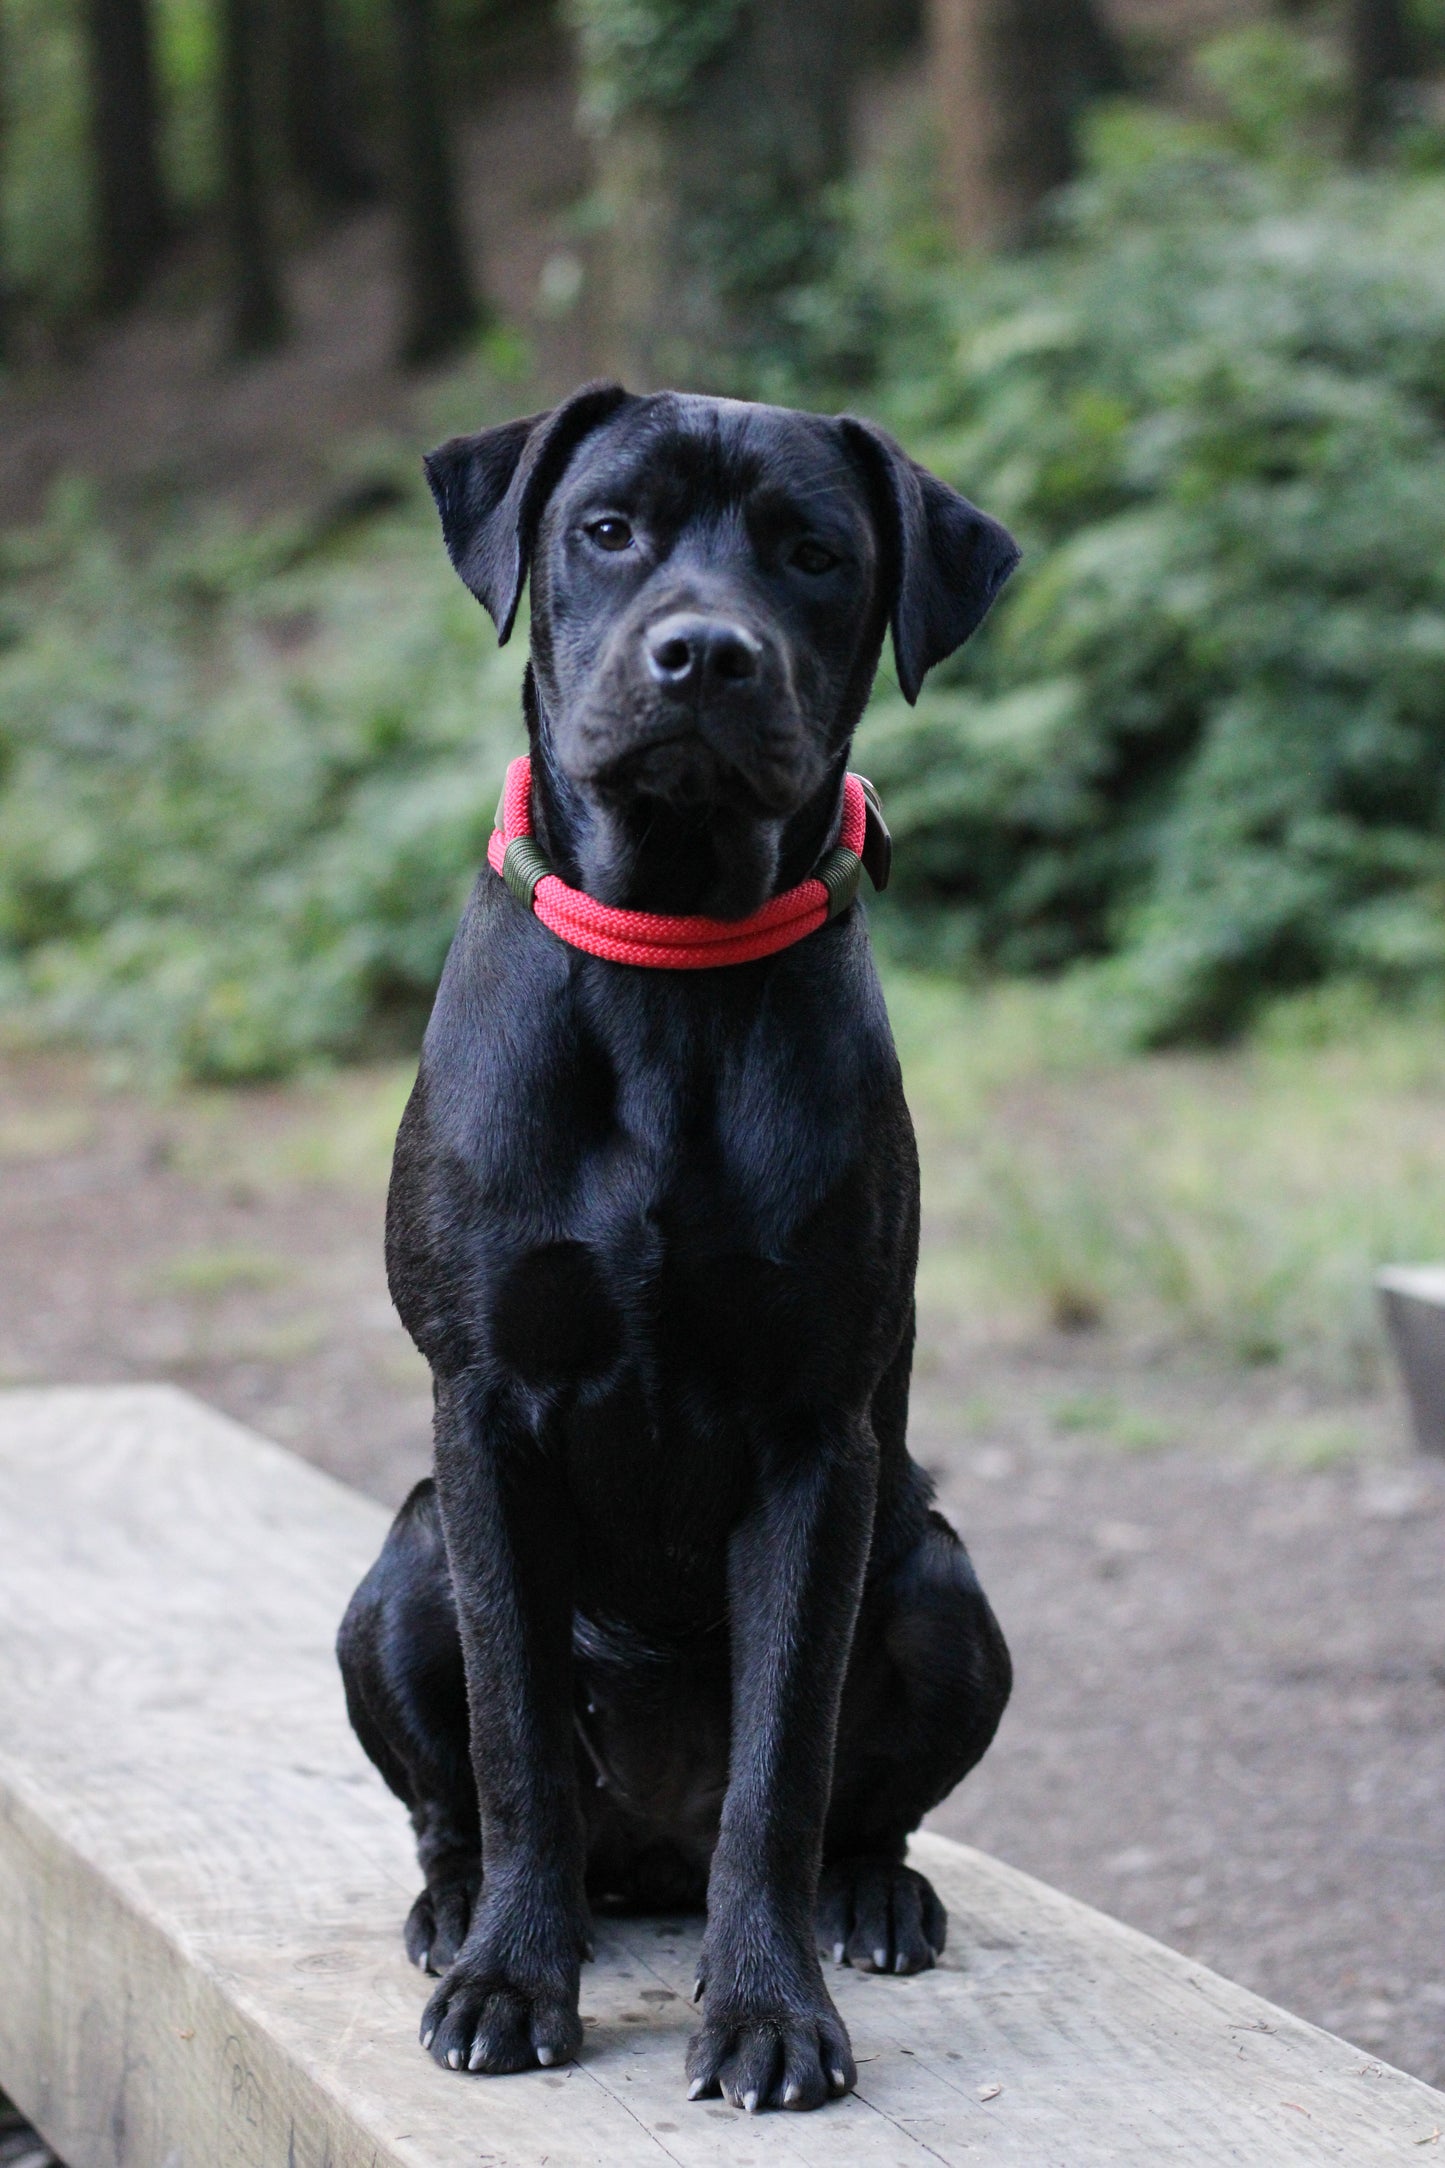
[401, 1663]
[927, 1683]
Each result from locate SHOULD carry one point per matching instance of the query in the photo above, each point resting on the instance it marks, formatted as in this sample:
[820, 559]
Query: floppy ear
[949, 560]
[490, 490]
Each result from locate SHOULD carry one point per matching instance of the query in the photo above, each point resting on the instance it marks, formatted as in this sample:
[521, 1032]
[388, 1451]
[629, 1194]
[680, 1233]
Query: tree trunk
[319, 108]
[441, 305]
[714, 196]
[132, 224]
[258, 317]
[1381, 60]
[7, 296]
[1011, 78]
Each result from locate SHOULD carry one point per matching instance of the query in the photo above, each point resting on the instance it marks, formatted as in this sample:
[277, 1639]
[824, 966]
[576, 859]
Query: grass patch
[1234, 1202]
[1100, 1415]
[209, 1275]
[28, 1133]
[331, 1130]
[1309, 1442]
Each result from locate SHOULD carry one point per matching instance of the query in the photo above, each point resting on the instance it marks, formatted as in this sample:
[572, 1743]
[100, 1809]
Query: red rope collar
[655, 938]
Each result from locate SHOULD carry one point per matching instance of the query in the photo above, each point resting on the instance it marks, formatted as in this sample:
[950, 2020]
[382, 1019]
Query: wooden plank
[202, 1885]
[1413, 1300]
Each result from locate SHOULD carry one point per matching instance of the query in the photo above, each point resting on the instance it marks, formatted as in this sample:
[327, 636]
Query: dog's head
[711, 584]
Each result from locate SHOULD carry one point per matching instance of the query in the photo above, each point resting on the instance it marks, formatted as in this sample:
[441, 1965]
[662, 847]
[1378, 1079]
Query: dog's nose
[687, 649]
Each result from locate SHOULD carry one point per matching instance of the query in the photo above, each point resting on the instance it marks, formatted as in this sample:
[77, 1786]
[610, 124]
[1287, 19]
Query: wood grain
[202, 1885]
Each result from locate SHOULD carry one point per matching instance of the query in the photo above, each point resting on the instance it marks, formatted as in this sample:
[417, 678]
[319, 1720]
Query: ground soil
[1229, 1723]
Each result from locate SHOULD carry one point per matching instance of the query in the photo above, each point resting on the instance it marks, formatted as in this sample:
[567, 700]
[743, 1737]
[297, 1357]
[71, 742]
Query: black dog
[676, 1621]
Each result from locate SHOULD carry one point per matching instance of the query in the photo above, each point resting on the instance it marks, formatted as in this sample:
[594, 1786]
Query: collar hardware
[663, 941]
[840, 872]
[524, 864]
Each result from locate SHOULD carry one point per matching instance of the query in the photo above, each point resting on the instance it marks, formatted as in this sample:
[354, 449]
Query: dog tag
[877, 842]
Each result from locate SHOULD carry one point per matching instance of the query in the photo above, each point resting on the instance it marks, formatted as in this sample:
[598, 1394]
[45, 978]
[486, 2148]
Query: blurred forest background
[1159, 282]
[1163, 285]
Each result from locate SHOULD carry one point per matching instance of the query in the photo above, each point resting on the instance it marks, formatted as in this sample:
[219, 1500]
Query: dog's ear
[490, 490]
[946, 559]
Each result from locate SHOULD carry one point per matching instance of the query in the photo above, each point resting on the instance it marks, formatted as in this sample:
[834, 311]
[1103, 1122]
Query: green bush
[644, 53]
[245, 785]
[1204, 735]
[242, 804]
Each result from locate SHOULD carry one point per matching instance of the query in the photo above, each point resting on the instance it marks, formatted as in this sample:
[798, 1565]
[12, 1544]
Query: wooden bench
[202, 1885]
[1413, 1300]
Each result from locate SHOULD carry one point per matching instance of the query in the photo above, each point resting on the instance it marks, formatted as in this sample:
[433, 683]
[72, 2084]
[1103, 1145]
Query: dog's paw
[483, 2018]
[438, 1922]
[879, 1916]
[782, 2059]
[509, 2001]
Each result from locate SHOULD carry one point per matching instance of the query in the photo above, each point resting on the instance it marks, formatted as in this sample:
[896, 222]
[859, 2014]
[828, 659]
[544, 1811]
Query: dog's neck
[645, 855]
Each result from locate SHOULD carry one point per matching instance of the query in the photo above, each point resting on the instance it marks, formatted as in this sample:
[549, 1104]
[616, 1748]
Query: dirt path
[1229, 1720]
[1229, 1725]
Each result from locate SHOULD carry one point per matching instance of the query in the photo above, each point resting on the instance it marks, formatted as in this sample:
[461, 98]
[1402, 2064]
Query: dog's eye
[813, 557]
[611, 533]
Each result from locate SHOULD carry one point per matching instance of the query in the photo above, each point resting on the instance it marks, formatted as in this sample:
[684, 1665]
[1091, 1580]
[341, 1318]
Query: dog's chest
[672, 1256]
[663, 1224]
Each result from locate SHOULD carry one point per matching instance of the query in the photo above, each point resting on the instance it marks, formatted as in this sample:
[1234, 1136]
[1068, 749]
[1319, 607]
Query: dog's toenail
[697, 2088]
[838, 2079]
[477, 2056]
[840, 1951]
[546, 2058]
[697, 1990]
[428, 2036]
[790, 2094]
[880, 1960]
[898, 1962]
[454, 2058]
[750, 2102]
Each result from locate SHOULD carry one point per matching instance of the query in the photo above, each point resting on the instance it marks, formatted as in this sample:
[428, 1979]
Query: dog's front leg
[771, 2036]
[510, 1999]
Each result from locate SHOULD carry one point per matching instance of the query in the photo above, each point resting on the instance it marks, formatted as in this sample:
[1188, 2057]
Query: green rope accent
[523, 866]
[840, 873]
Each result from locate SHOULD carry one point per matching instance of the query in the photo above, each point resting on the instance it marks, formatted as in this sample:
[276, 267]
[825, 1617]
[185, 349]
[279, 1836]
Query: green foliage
[1205, 733]
[1280, 91]
[186, 34]
[45, 175]
[1200, 749]
[645, 53]
[241, 800]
